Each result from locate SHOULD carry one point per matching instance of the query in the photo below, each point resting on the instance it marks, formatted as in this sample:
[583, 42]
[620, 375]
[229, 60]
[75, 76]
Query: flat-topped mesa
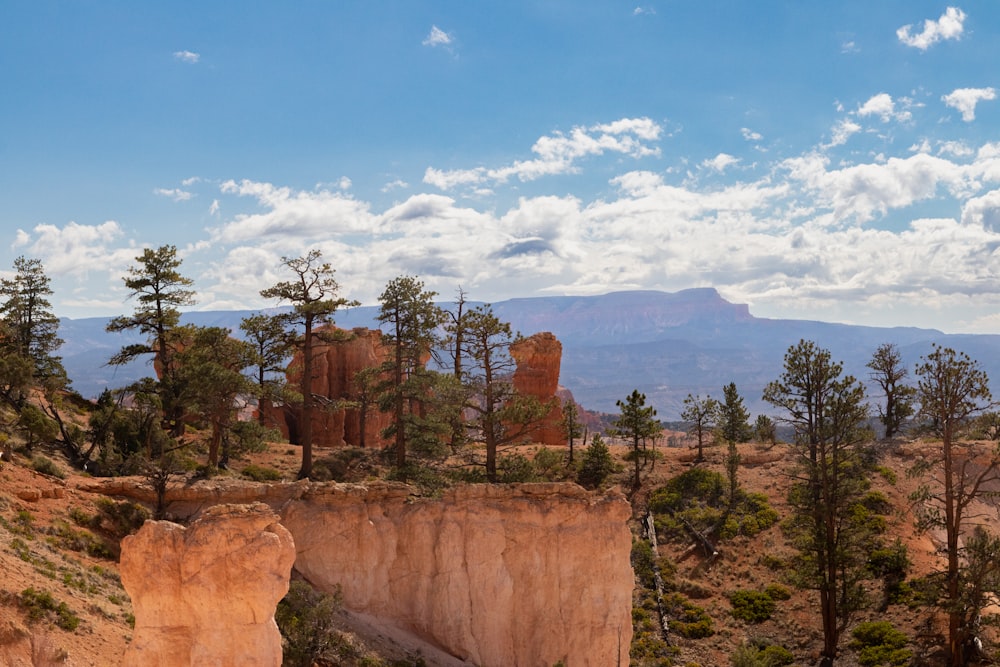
[495, 575]
[337, 361]
[538, 359]
[206, 594]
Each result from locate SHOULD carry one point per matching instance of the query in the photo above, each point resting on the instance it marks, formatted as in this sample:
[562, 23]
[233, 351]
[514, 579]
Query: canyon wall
[522, 575]
[206, 594]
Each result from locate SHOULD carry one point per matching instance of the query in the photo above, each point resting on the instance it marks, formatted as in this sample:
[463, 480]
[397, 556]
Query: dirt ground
[40, 514]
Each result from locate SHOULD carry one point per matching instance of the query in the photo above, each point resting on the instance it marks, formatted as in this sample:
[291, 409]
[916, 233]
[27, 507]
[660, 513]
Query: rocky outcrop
[336, 364]
[538, 358]
[206, 594]
[495, 575]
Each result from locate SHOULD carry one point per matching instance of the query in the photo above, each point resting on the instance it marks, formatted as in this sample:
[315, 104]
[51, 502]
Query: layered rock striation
[206, 594]
[347, 416]
[538, 359]
[497, 576]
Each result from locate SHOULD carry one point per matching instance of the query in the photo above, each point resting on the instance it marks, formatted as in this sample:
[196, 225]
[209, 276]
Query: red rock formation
[336, 364]
[538, 359]
[206, 594]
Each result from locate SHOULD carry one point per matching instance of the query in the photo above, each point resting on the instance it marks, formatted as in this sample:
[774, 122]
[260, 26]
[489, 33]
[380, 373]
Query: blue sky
[834, 161]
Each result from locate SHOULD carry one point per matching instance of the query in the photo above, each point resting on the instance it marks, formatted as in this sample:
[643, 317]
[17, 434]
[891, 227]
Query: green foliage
[41, 605]
[341, 465]
[777, 592]
[764, 430]
[699, 497]
[597, 464]
[888, 474]
[878, 643]
[260, 473]
[305, 617]
[516, 468]
[734, 419]
[642, 562]
[80, 540]
[687, 619]
[759, 653]
[637, 423]
[549, 464]
[648, 649]
[46, 466]
[120, 518]
[889, 373]
[752, 606]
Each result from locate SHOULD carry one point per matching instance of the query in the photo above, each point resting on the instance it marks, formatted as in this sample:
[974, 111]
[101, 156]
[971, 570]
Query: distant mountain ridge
[664, 344]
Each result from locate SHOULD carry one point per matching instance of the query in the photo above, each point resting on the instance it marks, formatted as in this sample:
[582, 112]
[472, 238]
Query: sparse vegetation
[42, 605]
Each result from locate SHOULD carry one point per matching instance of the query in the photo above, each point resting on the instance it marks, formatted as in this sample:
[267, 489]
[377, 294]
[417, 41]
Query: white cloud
[174, 193]
[949, 26]
[397, 184]
[965, 100]
[76, 249]
[438, 37]
[344, 183]
[720, 162]
[750, 135]
[214, 208]
[189, 57]
[290, 216]
[883, 106]
[558, 153]
[638, 11]
[849, 46]
[842, 131]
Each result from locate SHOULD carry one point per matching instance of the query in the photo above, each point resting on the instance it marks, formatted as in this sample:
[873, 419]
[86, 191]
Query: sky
[837, 161]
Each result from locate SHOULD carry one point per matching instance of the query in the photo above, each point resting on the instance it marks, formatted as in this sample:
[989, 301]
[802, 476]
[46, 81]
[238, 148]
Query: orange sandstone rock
[206, 594]
[538, 359]
[337, 421]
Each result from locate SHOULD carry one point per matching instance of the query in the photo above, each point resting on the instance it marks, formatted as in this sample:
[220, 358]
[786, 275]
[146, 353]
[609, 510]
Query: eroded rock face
[498, 576]
[538, 360]
[206, 594]
[335, 366]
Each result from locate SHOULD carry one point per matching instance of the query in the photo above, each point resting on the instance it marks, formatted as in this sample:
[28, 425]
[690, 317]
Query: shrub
[752, 606]
[515, 468]
[120, 518]
[642, 562]
[878, 643]
[760, 654]
[687, 619]
[260, 473]
[777, 592]
[46, 466]
[548, 464]
[41, 604]
[305, 617]
[596, 464]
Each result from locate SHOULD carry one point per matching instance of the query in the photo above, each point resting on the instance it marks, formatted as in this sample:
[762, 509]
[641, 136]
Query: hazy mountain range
[667, 345]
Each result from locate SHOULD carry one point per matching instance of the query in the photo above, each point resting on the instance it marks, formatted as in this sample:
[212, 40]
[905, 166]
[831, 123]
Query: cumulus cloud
[750, 135]
[290, 216]
[720, 162]
[559, 153]
[965, 100]
[438, 37]
[189, 57]
[949, 26]
[76, 249]
[883, 106]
